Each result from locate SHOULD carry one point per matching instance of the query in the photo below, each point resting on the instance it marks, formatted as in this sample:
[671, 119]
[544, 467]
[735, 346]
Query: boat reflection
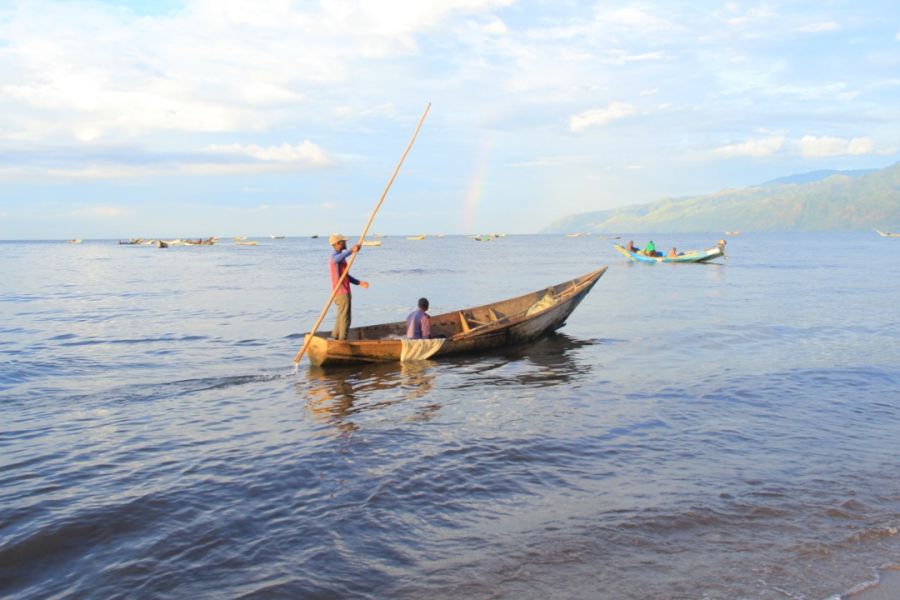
[547, 362]
[343, 398]
[334, 396]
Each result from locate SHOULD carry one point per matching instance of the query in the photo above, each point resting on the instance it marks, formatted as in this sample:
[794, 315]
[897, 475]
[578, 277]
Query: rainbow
[475, 187]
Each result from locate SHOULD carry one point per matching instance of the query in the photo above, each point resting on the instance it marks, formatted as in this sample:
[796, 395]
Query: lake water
[695, 431]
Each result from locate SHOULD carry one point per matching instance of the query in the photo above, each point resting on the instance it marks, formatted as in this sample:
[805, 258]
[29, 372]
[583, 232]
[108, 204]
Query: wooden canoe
[515, 321]
[693, 256]
[887, 233]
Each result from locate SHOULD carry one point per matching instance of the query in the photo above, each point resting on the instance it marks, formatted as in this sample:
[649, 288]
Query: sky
[177, 118]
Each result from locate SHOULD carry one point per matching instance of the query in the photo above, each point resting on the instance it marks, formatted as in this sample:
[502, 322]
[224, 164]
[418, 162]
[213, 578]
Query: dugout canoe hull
[695, 256]
[508, 322]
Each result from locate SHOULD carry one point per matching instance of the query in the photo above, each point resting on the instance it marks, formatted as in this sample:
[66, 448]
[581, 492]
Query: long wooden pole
[362, 238]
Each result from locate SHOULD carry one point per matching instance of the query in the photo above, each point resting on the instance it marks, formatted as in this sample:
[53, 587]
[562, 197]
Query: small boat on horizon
[75, 241]
[416, 237]
[509, 322]
[372, 243]
[243, 243]
[277, 237]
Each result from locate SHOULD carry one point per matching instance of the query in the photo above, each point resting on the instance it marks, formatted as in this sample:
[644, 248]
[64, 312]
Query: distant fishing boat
[372, 243]
[482, 238]
[200, 242]
[887, 233]
[75, 241]
[515, 321]
[315, 237]
[732, 233]
[416, 237]
[242, 243]
[277, 237]
[240, 238]
[131, 242]
[574, 235]
[180, 242]
[691, 256]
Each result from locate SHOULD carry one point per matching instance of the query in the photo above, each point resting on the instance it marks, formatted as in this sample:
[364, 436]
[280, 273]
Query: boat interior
[480, 319]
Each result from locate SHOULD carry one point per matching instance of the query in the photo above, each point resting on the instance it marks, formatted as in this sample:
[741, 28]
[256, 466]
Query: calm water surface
[695, 431]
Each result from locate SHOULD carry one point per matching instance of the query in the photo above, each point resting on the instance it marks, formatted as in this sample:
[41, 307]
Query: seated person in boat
[673, 253]
[418, 323]
[650, 249]
[630, 247]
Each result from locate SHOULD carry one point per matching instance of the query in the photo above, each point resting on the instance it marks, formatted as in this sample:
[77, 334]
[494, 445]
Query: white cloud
[809, 146]
[91, 171]
[395, 17]
[555, 161]
[812, 146]
[85, 71]
[755, 147]
[99, 212]
[824, 26]
[636, 18]
[601, 116]
[755, 15]
[304, 154]
[622, 57]
[495, 26]
[114, 162]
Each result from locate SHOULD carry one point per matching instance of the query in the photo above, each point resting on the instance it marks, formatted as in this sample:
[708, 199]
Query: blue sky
[227, 117]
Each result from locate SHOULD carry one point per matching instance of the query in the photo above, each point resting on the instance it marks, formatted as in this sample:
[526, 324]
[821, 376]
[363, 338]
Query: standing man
[338, 265]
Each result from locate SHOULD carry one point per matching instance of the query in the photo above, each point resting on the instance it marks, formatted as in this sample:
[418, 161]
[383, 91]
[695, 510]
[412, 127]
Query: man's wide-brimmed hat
[334, 238]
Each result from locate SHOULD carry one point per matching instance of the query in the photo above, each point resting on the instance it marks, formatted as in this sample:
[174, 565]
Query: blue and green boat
[691, 256]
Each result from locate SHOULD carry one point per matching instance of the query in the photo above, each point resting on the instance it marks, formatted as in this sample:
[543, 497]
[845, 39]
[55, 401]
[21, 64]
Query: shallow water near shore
[695, 431]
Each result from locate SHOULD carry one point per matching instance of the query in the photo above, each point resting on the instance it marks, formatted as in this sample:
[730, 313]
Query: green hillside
[836, 202]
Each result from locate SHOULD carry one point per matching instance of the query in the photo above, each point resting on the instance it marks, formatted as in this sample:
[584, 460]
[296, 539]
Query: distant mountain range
[816, 201]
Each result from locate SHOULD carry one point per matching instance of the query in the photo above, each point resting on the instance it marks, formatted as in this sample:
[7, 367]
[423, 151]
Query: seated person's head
[423, 303]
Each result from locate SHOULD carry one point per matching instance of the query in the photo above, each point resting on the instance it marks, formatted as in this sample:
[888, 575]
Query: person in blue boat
[418, 323]
[650, 249]
[630, 247]
[338, 264]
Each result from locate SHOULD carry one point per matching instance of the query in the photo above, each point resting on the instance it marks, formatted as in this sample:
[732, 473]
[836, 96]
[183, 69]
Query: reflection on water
[547, 362]
[333, 395]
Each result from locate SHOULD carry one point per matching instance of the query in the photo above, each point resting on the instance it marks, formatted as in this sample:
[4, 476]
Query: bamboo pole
[362, 238]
